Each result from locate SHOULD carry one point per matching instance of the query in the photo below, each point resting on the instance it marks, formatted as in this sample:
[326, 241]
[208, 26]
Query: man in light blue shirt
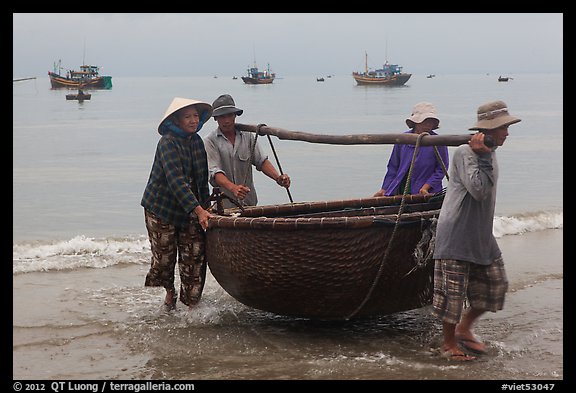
[230, 157]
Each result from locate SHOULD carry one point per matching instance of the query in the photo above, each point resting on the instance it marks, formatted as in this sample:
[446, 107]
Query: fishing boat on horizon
[257, 77]
[88, 77]
[388, 75]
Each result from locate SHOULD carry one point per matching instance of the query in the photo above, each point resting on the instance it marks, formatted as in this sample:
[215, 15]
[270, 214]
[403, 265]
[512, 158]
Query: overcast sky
[206, 44]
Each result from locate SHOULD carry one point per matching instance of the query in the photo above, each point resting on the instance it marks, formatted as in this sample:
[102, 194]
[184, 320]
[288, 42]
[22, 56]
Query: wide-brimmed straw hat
[421, 112]
[493, 115]
[224, 105]
[204, 109]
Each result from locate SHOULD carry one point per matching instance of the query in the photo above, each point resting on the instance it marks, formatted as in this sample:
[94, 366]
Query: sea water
[80, 251]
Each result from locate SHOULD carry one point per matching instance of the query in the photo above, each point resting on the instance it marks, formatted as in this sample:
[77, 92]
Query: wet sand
[87, 324]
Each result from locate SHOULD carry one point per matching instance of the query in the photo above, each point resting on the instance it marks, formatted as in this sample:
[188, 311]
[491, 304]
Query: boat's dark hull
[257, 81]
[99, 82]
[78, 97]
[330, 265]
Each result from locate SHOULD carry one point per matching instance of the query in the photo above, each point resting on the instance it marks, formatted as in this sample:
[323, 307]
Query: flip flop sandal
[465, 344]
[459, 357]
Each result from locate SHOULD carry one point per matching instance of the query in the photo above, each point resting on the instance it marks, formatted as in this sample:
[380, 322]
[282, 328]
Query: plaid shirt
[178, 180]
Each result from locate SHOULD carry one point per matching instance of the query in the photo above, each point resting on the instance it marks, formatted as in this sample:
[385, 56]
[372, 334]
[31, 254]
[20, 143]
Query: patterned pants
[170, 244]
[484, 287]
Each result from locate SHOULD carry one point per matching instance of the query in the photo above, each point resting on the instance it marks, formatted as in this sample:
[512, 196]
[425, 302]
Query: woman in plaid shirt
[175, 203]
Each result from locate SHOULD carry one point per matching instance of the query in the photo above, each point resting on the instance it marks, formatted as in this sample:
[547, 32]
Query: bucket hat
[421, 112]
[204, 109]
[493, 115]
[224, 105]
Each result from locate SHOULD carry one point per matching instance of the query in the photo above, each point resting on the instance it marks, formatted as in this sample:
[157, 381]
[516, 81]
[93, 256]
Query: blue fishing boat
[257, 77]
[388, 75]
[88, 77]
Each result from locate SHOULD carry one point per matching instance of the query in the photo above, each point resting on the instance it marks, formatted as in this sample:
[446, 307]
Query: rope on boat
[428, 239]
[425, 247]
[387, 251]
[441, 163]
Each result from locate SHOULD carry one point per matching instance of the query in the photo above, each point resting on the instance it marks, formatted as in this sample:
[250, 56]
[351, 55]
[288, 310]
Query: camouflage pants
[170, 244]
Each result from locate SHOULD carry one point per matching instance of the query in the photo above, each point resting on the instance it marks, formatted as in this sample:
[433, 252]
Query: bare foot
[170, 299]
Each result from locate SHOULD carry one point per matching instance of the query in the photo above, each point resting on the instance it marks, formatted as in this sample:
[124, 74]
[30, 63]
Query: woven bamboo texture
[319, 260]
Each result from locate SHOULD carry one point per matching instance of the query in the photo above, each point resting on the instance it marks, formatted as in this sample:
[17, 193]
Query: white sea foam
[82, 251]
[528, 222]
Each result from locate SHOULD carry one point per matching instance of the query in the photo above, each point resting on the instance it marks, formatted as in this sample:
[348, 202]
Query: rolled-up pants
[170, 244]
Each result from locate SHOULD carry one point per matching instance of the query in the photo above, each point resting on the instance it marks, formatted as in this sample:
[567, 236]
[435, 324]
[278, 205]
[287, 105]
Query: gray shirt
[234, 162]
[464, 230]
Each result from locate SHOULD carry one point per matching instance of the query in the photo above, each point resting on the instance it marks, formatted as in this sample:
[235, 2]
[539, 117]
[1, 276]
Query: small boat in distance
[256, 77]
[431, 76]
[388, 75]
[320, 79]
[88, 77]
[503, 79]
[81, 96]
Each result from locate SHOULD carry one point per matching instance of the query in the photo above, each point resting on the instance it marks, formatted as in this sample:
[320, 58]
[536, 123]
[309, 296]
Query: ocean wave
[86, 252]
[527, 222]
[80, 251]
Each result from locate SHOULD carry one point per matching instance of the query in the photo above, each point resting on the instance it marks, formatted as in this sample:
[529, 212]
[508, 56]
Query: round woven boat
[330, 260]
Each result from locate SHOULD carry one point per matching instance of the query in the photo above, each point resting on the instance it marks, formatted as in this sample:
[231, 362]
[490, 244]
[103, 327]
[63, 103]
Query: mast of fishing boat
[366, 63]
[84, 53]
[386, 51]
[58, 66]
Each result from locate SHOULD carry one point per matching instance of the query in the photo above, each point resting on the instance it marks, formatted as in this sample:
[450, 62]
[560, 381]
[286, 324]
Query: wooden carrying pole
[358, 139]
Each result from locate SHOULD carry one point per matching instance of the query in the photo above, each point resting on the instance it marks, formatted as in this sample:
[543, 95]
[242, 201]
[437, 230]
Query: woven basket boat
[329, 260]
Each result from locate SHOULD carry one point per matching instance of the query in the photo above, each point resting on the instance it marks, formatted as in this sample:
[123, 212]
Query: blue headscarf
[169, 125]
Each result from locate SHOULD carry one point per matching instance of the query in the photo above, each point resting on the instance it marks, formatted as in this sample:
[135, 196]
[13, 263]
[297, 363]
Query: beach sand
[72, 324]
